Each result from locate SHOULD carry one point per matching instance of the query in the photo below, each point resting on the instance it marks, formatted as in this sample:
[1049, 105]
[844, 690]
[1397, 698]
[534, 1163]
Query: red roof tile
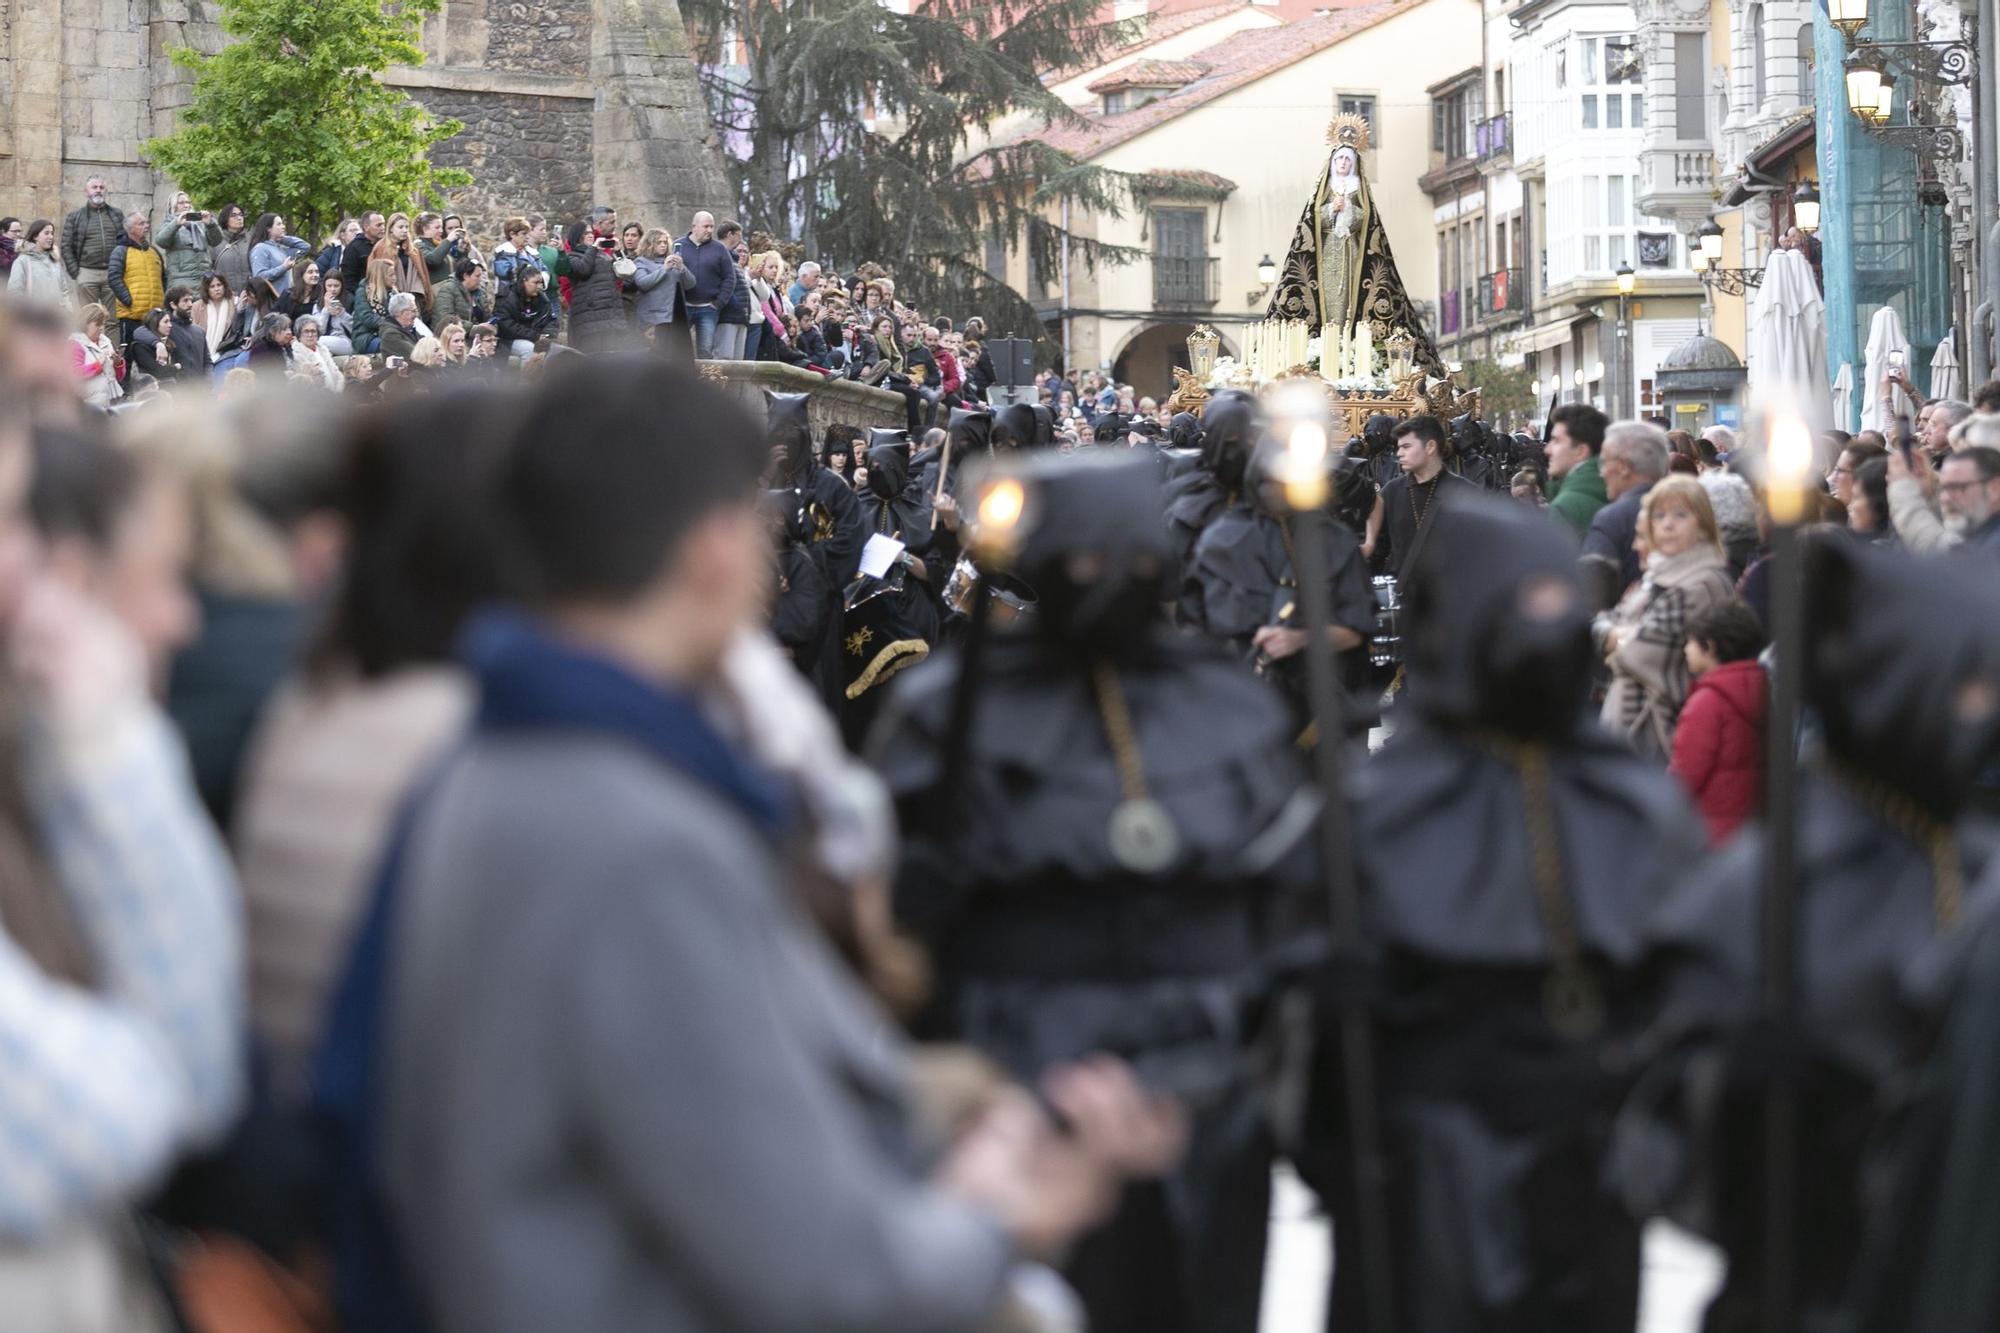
[1239, 59]
[1150, 74]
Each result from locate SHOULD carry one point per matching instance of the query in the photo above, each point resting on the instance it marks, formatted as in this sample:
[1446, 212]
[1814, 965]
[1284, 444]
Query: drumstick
[944, 470]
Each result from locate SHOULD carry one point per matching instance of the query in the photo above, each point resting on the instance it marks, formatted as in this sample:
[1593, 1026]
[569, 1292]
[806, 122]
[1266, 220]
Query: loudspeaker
[1013, 360]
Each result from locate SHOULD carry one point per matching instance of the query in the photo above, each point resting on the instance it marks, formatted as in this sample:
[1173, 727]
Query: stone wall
[841, 403]
[567, 103]
[525, 153]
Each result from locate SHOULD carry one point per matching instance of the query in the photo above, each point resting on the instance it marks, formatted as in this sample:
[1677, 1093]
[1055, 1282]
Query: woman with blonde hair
[1645, 638]
[371, 304]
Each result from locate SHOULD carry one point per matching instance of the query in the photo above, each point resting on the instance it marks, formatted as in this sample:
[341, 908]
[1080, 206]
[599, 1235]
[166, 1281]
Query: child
[1719, 744]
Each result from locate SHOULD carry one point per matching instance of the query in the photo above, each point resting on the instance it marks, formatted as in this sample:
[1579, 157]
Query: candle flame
[1788, 463]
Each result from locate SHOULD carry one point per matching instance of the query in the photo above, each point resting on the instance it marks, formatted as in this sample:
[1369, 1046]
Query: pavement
[1681, 1272]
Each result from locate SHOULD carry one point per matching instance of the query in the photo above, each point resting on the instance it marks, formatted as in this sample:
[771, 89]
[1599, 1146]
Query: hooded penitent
[1014, 427]
[825, 504]
[1099, 513]
[890, 504]
[790, 428]
[1902, 673]
[1048, 942]
[1230, 428]
[1240, 577]
[1509, 857]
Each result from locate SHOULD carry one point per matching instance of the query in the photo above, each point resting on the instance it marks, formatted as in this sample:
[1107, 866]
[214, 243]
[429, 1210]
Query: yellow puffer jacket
[137, 279]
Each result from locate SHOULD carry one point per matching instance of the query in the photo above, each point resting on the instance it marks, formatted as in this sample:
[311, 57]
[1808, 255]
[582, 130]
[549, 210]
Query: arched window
[1757, 89]
[1805, 62]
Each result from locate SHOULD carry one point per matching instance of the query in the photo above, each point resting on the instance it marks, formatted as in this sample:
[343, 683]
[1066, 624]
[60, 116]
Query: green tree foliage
[860, 131]
[291, 115]
[1504, 394]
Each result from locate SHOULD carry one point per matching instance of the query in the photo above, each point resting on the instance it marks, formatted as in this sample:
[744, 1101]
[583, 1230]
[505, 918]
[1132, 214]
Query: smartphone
[1896, 360]
[393, 363]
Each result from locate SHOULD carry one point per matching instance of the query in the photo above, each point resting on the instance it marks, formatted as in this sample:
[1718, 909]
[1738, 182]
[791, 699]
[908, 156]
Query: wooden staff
[944, 470]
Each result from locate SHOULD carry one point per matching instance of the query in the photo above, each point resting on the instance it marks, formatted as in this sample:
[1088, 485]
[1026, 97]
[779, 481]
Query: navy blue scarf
[528, 681]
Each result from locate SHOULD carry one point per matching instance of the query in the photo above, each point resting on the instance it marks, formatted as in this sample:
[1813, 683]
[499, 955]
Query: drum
[1013, 600]
[1385, 646]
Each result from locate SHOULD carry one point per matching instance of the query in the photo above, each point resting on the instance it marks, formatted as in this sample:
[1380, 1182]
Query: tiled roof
[1239, 59]
[1150, 74]
[1163, 180]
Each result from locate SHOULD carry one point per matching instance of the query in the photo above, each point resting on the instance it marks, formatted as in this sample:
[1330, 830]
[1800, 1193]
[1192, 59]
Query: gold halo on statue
[1348, 130]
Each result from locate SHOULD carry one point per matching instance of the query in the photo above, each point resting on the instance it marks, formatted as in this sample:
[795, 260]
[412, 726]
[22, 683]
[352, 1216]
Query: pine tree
[291, 114]
[859, 130]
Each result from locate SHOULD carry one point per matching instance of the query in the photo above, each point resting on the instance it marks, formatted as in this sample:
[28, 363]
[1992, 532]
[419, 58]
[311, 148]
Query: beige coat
[328, 773]
[1649, 675]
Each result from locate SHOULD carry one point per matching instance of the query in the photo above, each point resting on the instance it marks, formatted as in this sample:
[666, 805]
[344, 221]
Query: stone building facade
[566, 104]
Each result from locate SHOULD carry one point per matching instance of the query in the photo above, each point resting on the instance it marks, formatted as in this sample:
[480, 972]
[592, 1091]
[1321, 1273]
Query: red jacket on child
[1719, 745]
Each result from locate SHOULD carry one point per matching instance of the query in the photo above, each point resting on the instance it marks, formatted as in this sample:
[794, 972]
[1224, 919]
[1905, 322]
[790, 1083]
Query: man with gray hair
[89, 235]
[1936, 433]
[1723, 438]
[1633, 457]
[399, 335]
[806, 281]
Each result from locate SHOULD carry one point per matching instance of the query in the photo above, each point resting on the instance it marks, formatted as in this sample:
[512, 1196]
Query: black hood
[1467, 435]
[1184, 431]
[1102, 507]
[1379, 433]
[1496, 629]
[888, 462]
[1902, 666]
[1014, 427]
[787, 426]
[970, 432]
[1230, 426]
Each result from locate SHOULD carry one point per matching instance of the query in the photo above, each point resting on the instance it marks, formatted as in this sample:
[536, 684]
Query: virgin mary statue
[1339, 270]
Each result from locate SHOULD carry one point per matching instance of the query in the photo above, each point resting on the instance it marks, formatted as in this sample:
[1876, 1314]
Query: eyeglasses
[1954, 487]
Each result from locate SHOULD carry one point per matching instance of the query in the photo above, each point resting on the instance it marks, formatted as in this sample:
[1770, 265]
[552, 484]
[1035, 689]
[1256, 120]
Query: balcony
[1502, 296]
[1493, 138]
[1186, 283]
[1677, 181]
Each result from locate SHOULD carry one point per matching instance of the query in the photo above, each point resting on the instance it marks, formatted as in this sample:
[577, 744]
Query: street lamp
[1697, 260]
[1864, 88]
[1885, 98]
[1850, 16]
[1620, 401]
[1805, 207]
[1710, 237]
[1267, 270]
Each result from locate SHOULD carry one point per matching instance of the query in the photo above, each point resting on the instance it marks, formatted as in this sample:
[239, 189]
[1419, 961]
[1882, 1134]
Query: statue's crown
[1348, 130]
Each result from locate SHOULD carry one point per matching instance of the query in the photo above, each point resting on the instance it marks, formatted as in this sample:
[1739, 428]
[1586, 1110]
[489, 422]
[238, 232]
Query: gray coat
[231, 258]
[628, 1086]
[660, 290]
[185, 248]
[596, 309]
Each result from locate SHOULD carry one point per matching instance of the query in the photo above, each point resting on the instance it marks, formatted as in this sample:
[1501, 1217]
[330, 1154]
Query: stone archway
[1145, 360]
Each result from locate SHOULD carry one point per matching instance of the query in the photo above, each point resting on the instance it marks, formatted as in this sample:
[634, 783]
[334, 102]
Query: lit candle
[1788, 459]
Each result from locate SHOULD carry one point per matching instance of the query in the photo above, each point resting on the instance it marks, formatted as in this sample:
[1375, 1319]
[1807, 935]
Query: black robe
[1047, 948]
[1495, 1115]
[1895, 650]
[1692, 1141]
[1240, 578]
[891, 622]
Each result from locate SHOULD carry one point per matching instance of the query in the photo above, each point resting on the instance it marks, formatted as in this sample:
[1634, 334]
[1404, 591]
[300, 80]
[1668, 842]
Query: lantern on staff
[1401, 348]
[1202, 345]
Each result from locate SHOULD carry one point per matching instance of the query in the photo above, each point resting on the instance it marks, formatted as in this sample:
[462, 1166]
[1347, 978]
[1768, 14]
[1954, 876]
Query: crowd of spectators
[1675, 537]
[188, 298]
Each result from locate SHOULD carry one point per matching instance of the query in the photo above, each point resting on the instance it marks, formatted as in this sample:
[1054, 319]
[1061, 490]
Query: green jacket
[1579, 496]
